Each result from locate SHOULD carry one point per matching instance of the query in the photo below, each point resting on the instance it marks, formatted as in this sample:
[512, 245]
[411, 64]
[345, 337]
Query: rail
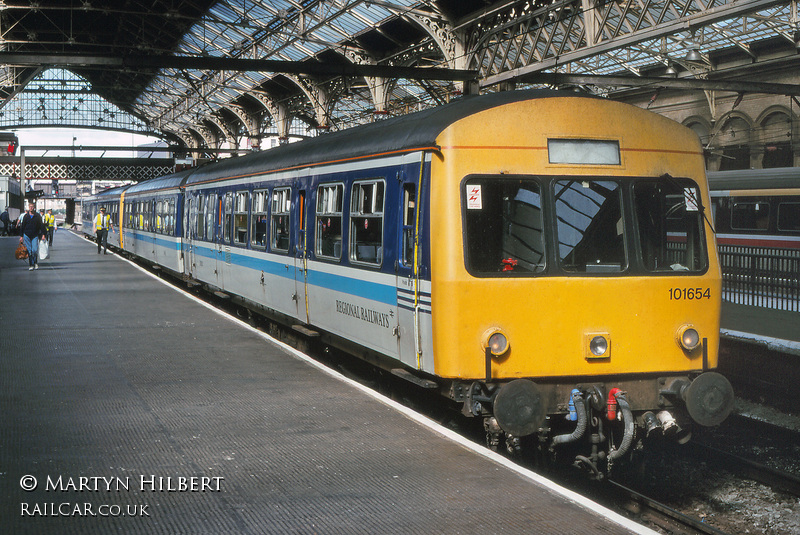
[663, 516]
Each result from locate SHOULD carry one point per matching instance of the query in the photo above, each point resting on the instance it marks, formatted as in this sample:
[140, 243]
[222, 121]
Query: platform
[776, 330]
[129, 407]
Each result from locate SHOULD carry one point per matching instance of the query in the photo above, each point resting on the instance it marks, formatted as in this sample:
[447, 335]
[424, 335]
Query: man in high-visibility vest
[50, 225]
[102, 224]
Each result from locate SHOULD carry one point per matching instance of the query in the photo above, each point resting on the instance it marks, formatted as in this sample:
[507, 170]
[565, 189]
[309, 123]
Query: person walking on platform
[31, 229]
[6, 221]
[50, 225]
[102, 224]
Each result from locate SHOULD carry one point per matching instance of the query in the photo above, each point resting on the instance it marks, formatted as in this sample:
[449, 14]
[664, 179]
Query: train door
[204, 246]
[123, 220]
[223, 248]
[189, 228]
[301, 258]
[133, 236]
[282, 293]
[219, 203]
[408, 290]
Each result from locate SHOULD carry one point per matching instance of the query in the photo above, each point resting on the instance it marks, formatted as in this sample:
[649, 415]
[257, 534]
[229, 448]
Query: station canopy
[204, 72]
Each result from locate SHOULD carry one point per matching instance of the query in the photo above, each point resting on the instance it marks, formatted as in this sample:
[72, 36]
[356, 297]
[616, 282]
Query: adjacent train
[544, 260]
[757, 208]
[757, 219]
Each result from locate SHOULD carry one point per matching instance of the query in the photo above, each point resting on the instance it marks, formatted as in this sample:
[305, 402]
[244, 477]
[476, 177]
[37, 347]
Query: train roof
[166, 182]
[744, 179]
[110, 192]
[415, 131]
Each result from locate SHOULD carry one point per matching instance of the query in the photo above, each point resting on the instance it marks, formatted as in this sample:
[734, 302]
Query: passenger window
[240, 218]
[199, 223]
[503, 221]
[165, 216]
[170, 225]
[227, 218]
[191, 228]
[590, 227]
[789, 216]
[258, 225]
[210, 207]
[409, 221]
[159, 217]
[750, 216]
[329, 221]
[366, 222]
[281, 205]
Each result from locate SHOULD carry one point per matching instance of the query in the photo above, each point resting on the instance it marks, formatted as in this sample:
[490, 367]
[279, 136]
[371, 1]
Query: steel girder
[589, 36]
[508, 42]
[515, 39]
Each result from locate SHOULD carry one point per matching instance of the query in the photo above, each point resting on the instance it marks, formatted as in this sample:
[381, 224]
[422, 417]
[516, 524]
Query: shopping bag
[44, 250]
[21, 253]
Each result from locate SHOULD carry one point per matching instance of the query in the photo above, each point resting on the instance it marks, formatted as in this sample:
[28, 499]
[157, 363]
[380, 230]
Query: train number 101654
[677, 294]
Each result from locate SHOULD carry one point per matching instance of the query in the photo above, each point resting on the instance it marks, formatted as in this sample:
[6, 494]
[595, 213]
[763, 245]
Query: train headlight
[497, 344]
[598, 346]
[688, 338]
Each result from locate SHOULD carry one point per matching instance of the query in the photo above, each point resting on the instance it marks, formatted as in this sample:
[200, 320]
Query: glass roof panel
[726, 34]
[271, 29]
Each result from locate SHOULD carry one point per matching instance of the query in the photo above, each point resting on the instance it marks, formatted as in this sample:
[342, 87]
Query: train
[757, 220]
[757, 208]
[540, 260]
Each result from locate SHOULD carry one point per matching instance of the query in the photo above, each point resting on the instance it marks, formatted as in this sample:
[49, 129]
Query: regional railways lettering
[364, 314]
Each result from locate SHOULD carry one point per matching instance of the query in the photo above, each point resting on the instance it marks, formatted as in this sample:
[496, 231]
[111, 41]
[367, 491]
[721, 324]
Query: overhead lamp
[694, 55]
[670, 71]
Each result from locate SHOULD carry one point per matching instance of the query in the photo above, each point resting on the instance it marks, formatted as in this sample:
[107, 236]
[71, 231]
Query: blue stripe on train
[382, 293]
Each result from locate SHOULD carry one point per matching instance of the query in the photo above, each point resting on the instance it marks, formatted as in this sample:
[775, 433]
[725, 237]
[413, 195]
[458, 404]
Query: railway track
[751, 432]
[776, 479]
[653, 512]
[726, 457]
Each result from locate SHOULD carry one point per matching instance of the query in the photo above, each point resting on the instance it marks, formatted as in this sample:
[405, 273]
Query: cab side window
[409, 222]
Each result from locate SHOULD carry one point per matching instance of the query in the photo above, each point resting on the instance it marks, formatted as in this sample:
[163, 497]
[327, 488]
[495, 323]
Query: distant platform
[777, 330]
[129, 407]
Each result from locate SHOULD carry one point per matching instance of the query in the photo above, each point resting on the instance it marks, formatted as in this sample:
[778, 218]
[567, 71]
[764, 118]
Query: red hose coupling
[612, 403]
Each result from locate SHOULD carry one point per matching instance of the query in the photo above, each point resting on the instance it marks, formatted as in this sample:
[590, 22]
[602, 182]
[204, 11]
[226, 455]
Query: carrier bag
[44, 250]
[21, 253]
